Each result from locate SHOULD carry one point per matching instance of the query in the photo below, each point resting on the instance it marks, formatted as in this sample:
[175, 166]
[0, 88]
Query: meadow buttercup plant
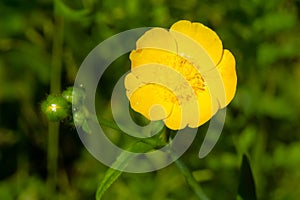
[170, 81]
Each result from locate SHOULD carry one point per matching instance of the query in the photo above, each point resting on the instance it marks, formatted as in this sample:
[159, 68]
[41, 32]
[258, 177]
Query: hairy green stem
[55, 87]
[57, 51]
[191, 180]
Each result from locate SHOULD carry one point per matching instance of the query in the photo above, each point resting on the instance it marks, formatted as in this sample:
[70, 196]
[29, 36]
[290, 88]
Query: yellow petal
[175, 121]
[184, 114]
[207, 106]
[131, 83]
[203, 35]
[148, 56]
[161, 75]
[228, 72]
[152, 101]
[193, 115]
[157, 38]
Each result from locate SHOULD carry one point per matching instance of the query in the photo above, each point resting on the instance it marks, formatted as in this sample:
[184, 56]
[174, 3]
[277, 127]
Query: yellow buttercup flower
[181, 76]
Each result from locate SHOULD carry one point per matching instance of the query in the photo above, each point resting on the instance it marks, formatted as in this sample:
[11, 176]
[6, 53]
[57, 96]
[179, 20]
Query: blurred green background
[262, 121]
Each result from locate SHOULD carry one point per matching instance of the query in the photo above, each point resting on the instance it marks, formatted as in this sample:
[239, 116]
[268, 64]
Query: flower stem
[191, 180]
[186, 172]
[55, 87]
[52, 151]
[109, 124]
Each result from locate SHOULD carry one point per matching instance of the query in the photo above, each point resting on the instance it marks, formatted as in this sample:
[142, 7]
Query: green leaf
[112, 175]
[246, 189]
[141, 146]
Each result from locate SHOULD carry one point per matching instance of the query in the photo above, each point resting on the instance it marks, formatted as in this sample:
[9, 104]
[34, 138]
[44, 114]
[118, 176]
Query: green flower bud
[67, 94]
[74, 95]
[56, 108]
